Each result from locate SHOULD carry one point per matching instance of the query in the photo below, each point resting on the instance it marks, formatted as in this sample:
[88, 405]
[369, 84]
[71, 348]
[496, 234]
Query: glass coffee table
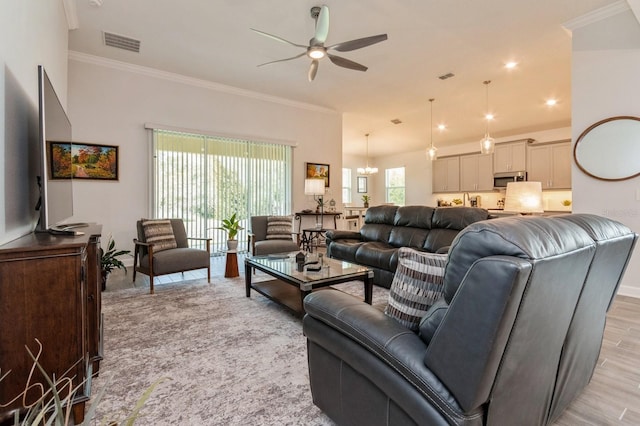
[290, 286]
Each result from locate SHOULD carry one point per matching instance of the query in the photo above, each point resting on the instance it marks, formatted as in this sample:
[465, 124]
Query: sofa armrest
[399, 349]
[337, 234]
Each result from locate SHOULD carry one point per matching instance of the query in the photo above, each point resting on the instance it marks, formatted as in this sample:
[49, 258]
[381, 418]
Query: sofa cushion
[159, 232]
[432, 319]
[279, 228]
[378, 255]
[344, 250]
[417, 284]
[414, 216]
[404, 236]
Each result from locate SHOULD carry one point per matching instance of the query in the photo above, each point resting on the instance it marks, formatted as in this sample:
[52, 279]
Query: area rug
[227, 359]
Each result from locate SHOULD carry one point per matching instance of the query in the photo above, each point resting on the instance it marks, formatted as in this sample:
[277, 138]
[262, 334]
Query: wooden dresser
[50, 290]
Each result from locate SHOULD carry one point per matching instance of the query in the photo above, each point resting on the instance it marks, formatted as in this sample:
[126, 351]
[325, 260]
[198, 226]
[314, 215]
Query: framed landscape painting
[83, 161]
[318, 171]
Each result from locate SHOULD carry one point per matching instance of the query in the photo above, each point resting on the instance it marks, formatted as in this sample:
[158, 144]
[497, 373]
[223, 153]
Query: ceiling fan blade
[322, 25]
[280, 39]
[358, 43]
[313, 70]
[346, 63]
[282, 60]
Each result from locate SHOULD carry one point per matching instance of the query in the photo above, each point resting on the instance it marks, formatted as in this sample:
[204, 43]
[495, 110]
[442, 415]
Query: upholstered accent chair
[162, 247]
[272, 234]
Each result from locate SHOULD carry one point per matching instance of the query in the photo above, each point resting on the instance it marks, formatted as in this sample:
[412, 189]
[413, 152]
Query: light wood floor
[612, 397]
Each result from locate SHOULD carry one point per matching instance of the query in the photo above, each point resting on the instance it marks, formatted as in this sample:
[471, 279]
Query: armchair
[162, 247]
[272, 234]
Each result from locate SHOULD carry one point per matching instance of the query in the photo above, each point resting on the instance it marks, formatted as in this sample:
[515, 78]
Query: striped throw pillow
[416, 285]
[279, 227]
[160, 233]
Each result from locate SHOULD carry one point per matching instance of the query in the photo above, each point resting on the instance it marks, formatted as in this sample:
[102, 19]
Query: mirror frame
[586, 132]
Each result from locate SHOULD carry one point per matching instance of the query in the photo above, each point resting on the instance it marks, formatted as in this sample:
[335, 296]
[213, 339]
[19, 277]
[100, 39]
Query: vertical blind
[204, 179]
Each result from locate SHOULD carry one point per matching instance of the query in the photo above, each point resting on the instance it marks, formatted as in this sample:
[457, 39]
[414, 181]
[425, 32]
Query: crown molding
[71, 13]
[596, 16]
[178, 78]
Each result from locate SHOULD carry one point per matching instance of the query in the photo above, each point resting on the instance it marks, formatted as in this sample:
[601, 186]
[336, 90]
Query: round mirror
[610, 149]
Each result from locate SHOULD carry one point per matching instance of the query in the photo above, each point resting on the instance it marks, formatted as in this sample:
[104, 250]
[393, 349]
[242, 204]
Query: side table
[231, 268]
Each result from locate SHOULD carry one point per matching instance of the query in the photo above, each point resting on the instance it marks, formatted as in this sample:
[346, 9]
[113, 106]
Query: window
[394, 183]
[346, 186]
[204, 179]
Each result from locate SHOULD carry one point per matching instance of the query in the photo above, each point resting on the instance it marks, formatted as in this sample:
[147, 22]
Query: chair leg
[150, 284]
[134, 273]
[209, 274]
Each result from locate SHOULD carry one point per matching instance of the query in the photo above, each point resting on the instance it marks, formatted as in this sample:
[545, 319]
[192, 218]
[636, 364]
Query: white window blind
[204, 179]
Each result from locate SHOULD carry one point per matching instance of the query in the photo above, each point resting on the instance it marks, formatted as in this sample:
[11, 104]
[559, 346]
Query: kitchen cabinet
[510, 157]
[446, 174]
[476, 172]
[550, 164]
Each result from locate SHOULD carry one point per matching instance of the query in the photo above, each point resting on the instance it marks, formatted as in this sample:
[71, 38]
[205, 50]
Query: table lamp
[524, 197]
[315, 187]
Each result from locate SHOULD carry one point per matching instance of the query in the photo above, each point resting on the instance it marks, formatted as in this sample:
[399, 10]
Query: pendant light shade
[432, 152]
[487, 143]
[367, 170]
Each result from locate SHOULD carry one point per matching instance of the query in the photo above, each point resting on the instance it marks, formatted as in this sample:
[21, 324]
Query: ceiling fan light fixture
[317, 52]
[487, 143]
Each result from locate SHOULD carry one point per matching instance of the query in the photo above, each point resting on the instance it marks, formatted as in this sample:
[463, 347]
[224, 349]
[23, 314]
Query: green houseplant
[109, 260]
[231, 226]
[365, 199]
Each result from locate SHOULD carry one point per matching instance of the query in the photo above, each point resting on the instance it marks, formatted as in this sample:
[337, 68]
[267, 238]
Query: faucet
[465, 197]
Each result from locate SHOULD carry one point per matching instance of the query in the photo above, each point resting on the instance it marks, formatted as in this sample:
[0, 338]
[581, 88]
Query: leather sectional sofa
[514, 339]
[387, 228]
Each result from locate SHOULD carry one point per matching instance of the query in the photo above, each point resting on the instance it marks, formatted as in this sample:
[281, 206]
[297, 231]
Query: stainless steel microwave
[500, 180]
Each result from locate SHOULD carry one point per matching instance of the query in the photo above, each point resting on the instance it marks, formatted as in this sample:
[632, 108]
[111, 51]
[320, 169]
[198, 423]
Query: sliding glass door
[204, 179]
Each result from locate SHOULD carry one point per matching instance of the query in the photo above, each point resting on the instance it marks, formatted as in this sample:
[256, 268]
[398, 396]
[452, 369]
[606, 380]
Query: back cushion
[416, 285]
[159, 232]
[381, 215]
[279, 228]
[439, 238]
[408, 237]
[457, 218]
[375, 232]
[414, 216]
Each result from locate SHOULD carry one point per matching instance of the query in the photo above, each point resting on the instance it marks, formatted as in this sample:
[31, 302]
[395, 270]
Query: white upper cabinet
[476, 172]
[551, 165]
[446, 174]
[510, 157]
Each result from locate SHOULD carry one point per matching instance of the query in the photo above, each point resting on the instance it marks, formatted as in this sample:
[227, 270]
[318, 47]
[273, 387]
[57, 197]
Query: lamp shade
[314, 186]
[524, 197]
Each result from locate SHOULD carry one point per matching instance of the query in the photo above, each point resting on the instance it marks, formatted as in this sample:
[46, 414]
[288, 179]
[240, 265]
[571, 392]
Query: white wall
[606, 83]
[110, 102]
[32, 33]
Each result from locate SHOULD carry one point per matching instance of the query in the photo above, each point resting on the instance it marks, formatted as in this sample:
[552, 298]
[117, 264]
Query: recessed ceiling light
[489, 116]
[442, 127]
[510, 65]
[551, 102]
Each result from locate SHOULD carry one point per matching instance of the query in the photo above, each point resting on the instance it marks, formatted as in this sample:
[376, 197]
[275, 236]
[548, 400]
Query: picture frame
[317, 171]
[83, 161]
[362, 184]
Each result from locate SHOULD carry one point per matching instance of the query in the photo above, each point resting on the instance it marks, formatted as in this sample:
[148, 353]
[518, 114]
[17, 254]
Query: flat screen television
[55, 181]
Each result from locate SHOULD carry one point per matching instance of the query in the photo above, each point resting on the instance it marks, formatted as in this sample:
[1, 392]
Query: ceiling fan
[316, 49]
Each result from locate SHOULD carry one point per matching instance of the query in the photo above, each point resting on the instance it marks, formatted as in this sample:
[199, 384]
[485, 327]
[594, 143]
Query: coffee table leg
[303, 294]
[368, 289]
[247, 278]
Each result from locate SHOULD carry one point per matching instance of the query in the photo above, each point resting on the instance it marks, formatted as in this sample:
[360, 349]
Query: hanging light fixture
[367, 170]
[487, 144]
[432, 152]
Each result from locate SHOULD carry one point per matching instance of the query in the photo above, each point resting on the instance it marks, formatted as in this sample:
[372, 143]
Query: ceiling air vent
[396, 121]
[121, 42]
[446, 76]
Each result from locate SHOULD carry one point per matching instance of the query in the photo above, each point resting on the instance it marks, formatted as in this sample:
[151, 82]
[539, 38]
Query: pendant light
[432, 152]
[487, 144]
[367, 170]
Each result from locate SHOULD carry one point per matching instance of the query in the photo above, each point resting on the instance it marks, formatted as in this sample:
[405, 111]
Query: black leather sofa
[513, 341]
[387, 228]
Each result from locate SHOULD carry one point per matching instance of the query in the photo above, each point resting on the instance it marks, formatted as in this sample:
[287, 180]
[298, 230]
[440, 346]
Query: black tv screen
[56, 194]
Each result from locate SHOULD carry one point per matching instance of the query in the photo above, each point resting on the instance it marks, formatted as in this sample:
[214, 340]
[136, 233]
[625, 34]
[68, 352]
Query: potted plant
[109, 261]
[365, 199]
[231, 226]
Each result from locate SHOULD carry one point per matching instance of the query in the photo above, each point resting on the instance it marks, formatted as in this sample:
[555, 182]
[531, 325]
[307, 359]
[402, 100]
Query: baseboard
[631, 291]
